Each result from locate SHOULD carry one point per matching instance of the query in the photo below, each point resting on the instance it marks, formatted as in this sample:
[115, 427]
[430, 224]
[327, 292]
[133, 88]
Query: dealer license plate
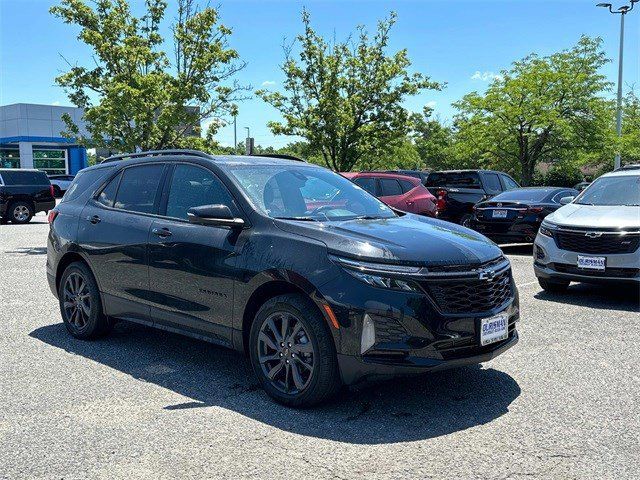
[494, 329]
[592, 263]
[499, 214]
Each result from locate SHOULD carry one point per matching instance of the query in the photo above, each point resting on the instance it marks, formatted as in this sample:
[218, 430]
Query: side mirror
[217, 215]
[565, 200]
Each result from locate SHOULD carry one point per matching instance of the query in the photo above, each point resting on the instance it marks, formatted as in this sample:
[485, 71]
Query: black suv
[23, 193]
[317, 281]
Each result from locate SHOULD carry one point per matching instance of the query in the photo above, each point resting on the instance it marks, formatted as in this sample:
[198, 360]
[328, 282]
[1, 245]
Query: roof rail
[156, 153]
[628, 167]
[279, 155]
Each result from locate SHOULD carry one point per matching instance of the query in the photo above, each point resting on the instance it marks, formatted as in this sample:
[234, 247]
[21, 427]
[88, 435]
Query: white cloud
[486, 76]
[268, 83]
[56, 103]
[431, 104]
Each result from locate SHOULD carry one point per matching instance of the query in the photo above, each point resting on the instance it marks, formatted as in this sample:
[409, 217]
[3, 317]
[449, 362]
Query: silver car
[594, 237]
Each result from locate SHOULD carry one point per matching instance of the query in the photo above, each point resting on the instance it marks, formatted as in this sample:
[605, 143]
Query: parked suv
[595, 238]
[457, 191]
[318, 282]
[23, 193]
[398, 191]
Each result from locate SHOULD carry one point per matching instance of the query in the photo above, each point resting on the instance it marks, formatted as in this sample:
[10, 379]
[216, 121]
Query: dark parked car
[23, 193]
[457, 191]
[242, 252]
[397, 191]
[515, 216]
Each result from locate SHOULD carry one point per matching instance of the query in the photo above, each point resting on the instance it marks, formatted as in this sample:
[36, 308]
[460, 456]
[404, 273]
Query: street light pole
[622, 11]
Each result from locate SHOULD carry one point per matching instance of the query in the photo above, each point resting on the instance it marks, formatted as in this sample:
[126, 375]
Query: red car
[398, 191]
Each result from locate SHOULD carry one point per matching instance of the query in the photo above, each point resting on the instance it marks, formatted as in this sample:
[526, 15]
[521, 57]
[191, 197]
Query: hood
[586, 216]
[409, 239]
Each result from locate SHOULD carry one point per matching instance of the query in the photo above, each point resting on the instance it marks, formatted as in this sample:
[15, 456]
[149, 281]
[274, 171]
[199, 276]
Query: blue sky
[459, 42]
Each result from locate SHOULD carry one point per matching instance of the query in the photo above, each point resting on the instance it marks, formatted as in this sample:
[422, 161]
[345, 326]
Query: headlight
[373, 274]
[545, 231]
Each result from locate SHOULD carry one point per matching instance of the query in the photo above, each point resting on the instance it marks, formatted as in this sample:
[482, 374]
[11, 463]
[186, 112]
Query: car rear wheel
[57, 193]
[553, 286]
[80, 303]
[292, 352]
[21, 212]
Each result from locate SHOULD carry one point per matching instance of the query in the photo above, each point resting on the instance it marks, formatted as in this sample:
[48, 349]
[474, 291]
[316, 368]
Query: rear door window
[406, 185]
[138, 188]
[390, 187]
[108, 194]
[492, 183]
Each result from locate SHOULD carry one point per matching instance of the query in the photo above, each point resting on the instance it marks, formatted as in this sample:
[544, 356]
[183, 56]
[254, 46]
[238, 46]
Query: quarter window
[193, 186]
[509, 183]
[492, 183]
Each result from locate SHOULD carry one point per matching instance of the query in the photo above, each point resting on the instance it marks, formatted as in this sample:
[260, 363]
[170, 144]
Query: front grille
[606, 243]
[470, 296]
[613, 272]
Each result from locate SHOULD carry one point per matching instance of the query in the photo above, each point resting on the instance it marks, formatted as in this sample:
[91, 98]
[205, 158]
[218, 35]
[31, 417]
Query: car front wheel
[553, 286]
[292, 352]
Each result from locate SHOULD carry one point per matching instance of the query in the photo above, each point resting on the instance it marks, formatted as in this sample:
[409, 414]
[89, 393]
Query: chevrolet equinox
[316, 280]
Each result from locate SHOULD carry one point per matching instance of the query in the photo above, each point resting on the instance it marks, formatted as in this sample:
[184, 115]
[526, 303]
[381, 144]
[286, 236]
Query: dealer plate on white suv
[592, 263]
[494, 329]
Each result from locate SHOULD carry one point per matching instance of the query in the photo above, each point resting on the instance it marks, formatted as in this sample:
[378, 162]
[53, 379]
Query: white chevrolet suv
[594, 237]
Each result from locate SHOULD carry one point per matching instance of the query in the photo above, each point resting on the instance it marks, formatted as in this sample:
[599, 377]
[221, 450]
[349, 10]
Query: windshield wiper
[368, 217]
[300, 219]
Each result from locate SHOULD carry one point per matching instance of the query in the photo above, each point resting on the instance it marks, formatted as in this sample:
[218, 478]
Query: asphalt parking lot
[563, 403]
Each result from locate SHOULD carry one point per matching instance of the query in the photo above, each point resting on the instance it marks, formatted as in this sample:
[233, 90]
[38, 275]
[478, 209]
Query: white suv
[594, 237]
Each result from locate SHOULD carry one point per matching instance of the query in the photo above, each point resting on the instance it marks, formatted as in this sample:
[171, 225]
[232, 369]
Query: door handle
[161, 232]
[94, 219]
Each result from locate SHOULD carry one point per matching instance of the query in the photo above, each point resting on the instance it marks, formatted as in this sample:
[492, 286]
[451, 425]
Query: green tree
[135, 97]
[345, 98]
[433, 140]
[630, 142]
[541, 109]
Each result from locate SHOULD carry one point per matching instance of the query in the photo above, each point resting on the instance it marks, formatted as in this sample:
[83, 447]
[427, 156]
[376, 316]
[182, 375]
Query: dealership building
[30, 137]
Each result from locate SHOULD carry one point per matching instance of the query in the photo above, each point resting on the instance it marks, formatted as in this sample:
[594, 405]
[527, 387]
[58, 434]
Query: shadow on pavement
[397, 411]
[605, 297]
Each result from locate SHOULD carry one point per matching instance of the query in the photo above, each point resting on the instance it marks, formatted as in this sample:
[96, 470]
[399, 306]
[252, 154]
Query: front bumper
[412, 333]
[550, 262]
[359, 369]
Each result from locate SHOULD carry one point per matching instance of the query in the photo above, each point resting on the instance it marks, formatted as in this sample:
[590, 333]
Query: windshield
[623, 190]
[306, 193]
[523, 194]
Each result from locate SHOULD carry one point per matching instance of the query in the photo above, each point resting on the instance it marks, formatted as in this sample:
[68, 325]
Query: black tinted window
[390, 187]
[367, 183]
[138, 188]
[492, 183]
[108, 194]
[454, 179]
[24, 177]
[406, 185]
[193, 186]
[83, 181]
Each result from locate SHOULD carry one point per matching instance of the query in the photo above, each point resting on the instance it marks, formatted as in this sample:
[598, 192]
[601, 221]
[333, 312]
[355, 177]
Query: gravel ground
[563, 403]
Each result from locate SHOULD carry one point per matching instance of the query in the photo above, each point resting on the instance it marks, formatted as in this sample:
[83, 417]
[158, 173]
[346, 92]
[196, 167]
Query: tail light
[52, 191]
[52, 216]
[534, 210]
[441, 201]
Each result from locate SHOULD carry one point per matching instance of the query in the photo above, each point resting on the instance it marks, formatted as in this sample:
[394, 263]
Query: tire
[80, 303]
[465, 221]
[20, 212]
[553, 286]
[294, 383]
